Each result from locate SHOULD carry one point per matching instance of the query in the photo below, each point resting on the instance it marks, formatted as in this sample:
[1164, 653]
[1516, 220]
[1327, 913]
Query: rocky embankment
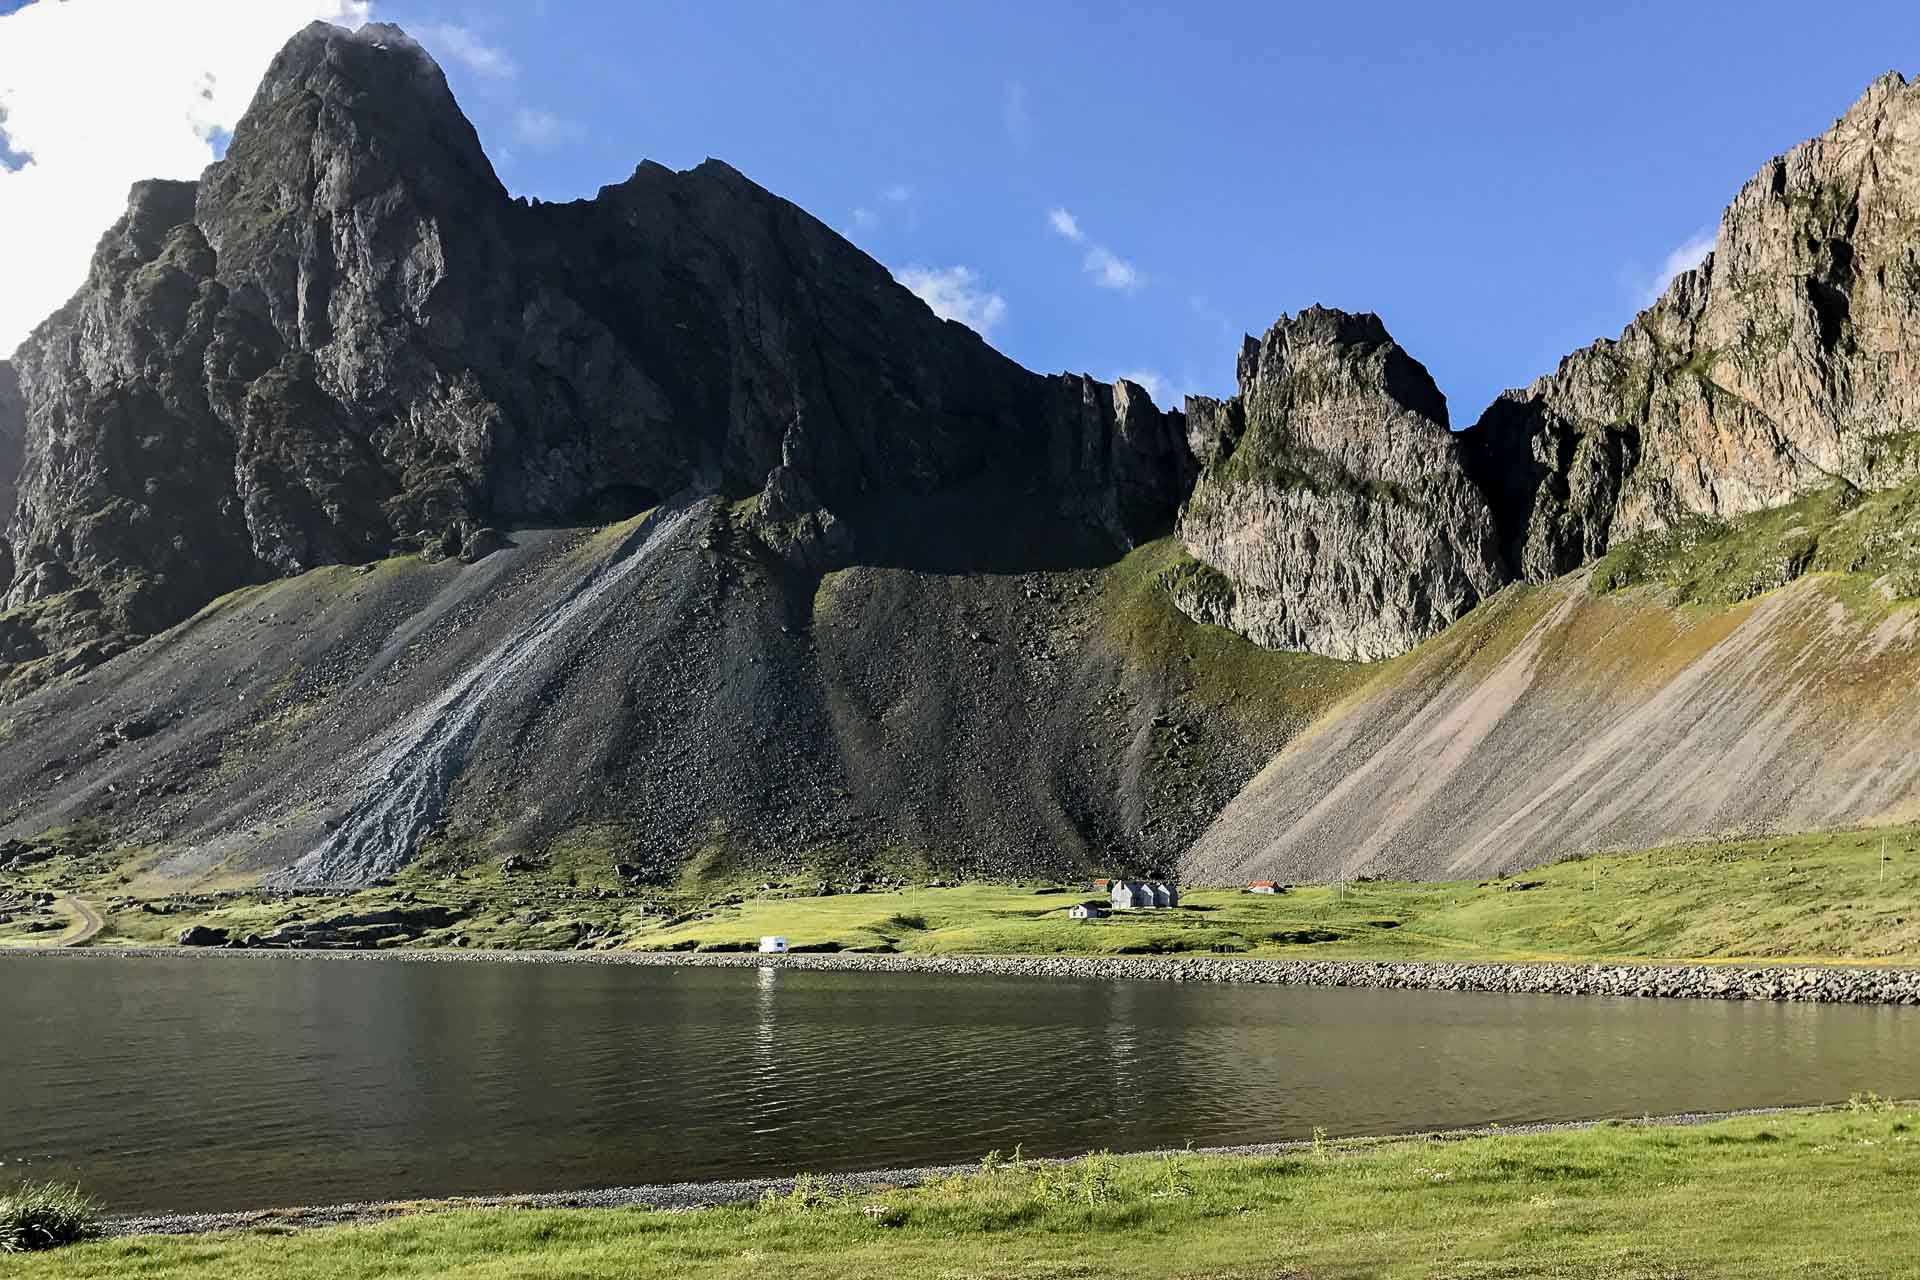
[1802, 984]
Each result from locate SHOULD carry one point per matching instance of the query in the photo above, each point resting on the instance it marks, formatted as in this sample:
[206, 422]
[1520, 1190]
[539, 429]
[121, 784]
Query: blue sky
[1501, 182]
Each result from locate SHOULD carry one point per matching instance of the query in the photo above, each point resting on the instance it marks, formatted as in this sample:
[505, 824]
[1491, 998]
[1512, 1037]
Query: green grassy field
[1822, 896]
[1618, 1202]
[1846, 896]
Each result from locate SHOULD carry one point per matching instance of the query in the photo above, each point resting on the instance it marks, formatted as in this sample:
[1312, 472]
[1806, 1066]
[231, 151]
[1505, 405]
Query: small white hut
[774, 944]
[1088, 911]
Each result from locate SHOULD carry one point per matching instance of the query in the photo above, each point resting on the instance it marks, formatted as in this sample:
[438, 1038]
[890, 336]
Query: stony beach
[1811, 984]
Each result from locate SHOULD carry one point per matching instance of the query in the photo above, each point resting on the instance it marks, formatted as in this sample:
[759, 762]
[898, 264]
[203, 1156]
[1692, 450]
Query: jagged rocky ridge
[1354, 527]
[1788, 359]
[1333, 513]
[348, 339]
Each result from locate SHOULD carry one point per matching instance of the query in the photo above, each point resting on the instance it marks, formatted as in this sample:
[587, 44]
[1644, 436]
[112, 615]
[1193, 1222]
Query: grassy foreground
[1830, 896]
[1830, 1194]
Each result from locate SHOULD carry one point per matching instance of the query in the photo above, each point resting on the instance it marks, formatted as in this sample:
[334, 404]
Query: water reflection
[210, 1084]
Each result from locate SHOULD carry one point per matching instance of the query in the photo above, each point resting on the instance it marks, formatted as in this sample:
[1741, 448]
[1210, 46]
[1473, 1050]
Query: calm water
[206, 1084]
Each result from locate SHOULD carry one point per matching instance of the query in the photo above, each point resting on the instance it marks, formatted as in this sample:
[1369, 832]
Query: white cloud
[898, 193]
[865, 219]
[1110, 271]
[1683, 259]
[538, 128]
[1102, 265]
[956, 293]
[102, 93]
[448, 41]
[1013, 113]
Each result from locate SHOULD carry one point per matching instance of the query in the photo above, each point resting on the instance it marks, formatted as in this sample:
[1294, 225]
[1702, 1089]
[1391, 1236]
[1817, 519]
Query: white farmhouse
[1143, 895]
[774, 944]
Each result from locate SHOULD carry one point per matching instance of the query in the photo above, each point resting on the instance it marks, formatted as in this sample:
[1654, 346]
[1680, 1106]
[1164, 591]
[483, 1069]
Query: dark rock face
[1334, 508]
[13, 451]
[1783, 362]
[347, 338]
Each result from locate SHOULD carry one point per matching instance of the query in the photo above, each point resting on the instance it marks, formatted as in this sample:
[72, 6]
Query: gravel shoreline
[1812, 984]
[682, 1197]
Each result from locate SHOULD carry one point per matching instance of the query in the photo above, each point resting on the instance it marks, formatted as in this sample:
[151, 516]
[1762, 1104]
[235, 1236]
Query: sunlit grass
[1827, 1194]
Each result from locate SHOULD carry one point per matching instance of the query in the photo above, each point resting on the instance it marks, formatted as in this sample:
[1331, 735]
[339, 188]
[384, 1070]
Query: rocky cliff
[1786, 360]
[347, 339]
[13, 450]
[1334, 513]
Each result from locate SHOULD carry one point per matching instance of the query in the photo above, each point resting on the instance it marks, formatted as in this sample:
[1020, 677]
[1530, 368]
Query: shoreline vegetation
[1692, 1196]
[1824, 898]
[1829, 917]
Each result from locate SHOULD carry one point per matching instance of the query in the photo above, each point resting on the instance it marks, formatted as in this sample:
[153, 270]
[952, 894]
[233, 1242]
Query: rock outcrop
[347, 339]
[1333, 513]
[1788, 359]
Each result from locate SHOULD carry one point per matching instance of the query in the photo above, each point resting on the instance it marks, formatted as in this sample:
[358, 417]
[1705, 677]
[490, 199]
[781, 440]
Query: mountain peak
[374, 93]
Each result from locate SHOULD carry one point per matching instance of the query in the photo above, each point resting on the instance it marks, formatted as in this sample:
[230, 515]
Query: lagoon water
[202, 1084]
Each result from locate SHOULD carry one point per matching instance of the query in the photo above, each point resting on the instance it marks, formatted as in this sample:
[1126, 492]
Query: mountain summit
[347, 340]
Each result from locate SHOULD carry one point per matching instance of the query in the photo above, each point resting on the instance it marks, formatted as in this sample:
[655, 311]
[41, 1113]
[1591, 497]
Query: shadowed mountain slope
[660, 691]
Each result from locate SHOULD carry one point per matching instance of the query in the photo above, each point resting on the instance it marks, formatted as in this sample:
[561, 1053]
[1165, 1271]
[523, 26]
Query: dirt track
[87, 923]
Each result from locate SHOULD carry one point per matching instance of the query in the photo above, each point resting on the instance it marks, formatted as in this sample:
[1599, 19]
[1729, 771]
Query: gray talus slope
[659, 691]
[1554, 722]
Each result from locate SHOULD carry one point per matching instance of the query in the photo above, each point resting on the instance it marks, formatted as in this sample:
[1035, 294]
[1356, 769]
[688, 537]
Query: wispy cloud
[1102, 265]
[956, 293]
[448, 40]
[538, 128]
[1013, 112]
[1109, 270]
[1684, 258]
[895, 208]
